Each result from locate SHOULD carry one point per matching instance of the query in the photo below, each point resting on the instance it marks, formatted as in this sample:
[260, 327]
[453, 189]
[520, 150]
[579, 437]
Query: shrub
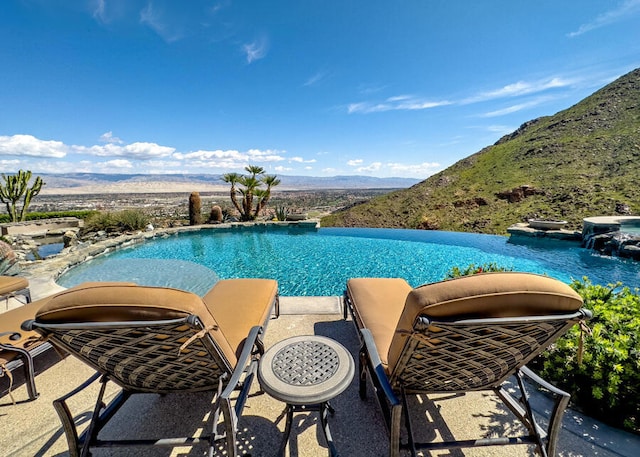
[282, 212]
[126, 220]
[604, 383]
[80, 214]
[473, 269]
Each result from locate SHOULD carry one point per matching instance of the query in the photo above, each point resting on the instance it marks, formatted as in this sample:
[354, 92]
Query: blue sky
[304, 87]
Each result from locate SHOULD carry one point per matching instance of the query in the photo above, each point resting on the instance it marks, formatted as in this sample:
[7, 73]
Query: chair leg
[394, 431]
[362, 375]
[230, 425]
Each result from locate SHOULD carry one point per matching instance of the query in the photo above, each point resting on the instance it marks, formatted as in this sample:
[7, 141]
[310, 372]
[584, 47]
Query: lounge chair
[462, 335]
[19, 347]
[161, 340]
[13, 286]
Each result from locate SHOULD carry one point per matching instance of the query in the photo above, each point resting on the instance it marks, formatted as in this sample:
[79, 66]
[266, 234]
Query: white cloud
[624, 11]
[371, 168]
[116, 163]
[281, 169]
[138, 150]
[396, 103]
[256, 50]
[301, 160]
[420, 170]
[355, 162]
[109, 138]
[28, 145]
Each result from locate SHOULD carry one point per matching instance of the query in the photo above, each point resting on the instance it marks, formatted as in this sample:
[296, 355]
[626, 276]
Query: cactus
[16, 187]
[216, 214]
[195, 209]
[282, 212]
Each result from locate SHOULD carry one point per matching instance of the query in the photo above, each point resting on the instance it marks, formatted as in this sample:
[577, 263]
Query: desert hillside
[583, 161]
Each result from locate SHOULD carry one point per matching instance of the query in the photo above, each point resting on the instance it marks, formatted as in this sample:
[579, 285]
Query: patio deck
[33, 429]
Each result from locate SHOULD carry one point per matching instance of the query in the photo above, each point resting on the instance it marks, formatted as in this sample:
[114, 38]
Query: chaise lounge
[462, 335]
[13, 286]
[160, 340]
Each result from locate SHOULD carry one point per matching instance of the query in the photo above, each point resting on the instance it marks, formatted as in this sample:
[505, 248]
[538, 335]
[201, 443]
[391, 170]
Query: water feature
[318, 262]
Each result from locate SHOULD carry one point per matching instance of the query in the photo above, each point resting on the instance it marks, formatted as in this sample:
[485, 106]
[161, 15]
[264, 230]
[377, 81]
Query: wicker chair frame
[174, 355]
[459, 356]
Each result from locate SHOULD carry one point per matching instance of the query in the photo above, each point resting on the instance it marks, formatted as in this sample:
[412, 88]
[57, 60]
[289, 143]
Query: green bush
[599, 367]
[605, 383]
[126, 220]
[80, 214]
[473, 269]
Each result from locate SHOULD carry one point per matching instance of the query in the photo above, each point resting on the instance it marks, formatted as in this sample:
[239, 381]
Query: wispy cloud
[256, 50]
[99, 10]
[627, 9]
[315, 79]
[156, 20]
[515, 108]
[301, 160]
[28, 145]
[519, 88]
[396, 103]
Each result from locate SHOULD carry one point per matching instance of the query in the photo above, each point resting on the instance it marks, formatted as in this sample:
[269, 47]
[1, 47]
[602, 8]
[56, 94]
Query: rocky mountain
[580, 162]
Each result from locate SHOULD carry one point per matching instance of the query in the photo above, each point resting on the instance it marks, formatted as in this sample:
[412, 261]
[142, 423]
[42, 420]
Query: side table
[306, 372]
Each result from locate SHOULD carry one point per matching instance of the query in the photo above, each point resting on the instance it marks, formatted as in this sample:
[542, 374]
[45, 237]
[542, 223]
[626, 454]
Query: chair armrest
[376, 370]
[244, 359]
[541, 382]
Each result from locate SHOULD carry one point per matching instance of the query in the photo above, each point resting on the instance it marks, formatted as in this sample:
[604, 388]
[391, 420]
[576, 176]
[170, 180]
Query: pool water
[319, 262]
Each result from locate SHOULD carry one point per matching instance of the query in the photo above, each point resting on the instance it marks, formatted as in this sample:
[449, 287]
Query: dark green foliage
[195, 209]
[581, 161]
[606, 385]
[473, 269]
[80, 214]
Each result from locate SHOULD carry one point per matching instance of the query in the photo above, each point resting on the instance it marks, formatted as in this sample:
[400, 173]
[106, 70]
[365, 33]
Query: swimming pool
[318, 262]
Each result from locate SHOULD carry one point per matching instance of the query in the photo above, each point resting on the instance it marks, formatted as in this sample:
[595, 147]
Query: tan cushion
[378, 304]
[488, 295]
[239, 304]
[109, 302]
[10, 284]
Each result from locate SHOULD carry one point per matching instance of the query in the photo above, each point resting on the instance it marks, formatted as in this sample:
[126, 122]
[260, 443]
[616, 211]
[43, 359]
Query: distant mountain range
[580, 162]
[80, 183]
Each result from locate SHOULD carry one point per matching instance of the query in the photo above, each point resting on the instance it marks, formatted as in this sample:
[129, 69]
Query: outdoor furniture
[306, 372]
[13, 286]
[161, 340]
[462, 335]
[19, 347]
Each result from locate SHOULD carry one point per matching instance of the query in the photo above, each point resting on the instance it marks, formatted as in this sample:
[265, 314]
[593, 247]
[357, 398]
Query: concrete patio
[33, 429]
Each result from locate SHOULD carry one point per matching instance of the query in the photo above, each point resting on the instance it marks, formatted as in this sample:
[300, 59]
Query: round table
[306, 372]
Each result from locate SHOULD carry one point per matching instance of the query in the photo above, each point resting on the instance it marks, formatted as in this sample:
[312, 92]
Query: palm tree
[233, 179]
[270, 181]
[251, 188]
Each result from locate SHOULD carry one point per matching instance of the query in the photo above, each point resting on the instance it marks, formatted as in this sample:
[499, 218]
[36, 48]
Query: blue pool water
[319, 262]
